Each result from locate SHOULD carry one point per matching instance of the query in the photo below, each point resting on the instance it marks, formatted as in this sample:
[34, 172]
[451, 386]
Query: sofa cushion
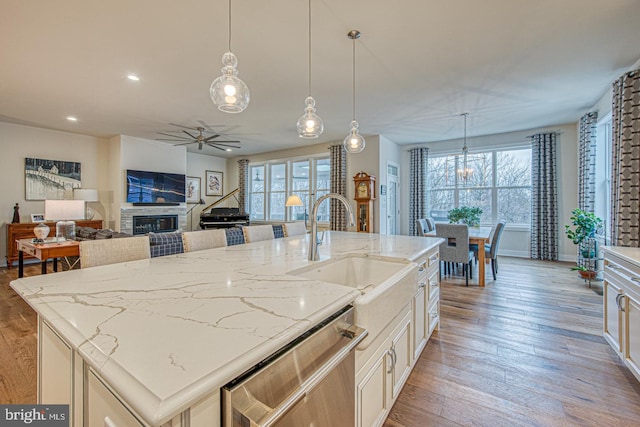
[165, 243]
[104, 234]
[85, 233]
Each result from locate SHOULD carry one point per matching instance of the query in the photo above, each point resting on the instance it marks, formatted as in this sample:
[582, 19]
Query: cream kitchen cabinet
[380, 380]
[622, 304]
[425, 302]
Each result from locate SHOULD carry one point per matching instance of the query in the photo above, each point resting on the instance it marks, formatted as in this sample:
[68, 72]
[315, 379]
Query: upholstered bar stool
[112, 251]
[257, 233]
[294, 229]
[205, 239]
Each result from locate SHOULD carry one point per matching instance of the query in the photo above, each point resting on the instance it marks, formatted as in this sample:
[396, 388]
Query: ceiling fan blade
[175, 136]
[212, 137]
[217, 148]
[194, 137]
[180, 126]
[184, 143]
[224, 142]
[224, 147]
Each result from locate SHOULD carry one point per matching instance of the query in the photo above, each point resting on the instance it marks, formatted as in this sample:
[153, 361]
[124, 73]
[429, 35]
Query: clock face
[363, 190]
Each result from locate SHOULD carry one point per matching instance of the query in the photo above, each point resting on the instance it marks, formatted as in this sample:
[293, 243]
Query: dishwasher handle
[356, 335]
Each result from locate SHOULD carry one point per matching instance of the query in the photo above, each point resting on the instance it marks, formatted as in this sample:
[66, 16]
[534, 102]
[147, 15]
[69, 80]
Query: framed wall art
[50, 179]
[193, 189]
[213, 183]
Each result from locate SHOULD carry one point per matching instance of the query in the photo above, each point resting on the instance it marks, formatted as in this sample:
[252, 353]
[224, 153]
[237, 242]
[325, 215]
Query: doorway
[393, 183]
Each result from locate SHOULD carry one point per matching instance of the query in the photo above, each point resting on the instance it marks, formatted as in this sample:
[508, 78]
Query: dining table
[480, 236]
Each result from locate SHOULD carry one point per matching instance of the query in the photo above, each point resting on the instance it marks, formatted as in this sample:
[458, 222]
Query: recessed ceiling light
[228, 149]
[133, 77]
[72, 119]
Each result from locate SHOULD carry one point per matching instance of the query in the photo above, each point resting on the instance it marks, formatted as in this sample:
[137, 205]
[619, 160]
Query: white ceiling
[511, 64]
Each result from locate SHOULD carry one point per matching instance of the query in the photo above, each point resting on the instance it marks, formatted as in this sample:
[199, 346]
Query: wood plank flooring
[527, 350]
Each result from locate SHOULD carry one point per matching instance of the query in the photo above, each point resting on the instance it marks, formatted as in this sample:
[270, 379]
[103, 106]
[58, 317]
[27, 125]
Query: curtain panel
[243, 185]
[587, 162]
[625, 161]
[338, 163]
[417, 187]
[544, 199]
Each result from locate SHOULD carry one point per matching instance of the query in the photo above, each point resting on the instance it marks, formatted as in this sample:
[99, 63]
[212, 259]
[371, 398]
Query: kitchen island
[164, 334]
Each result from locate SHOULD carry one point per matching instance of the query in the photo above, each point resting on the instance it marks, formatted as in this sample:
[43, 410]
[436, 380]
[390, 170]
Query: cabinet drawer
[433, 316]
[104, 408]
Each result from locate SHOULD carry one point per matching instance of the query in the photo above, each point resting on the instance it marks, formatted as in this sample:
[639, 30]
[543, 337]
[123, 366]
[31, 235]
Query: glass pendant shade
[354, 142]
[310, 125]
[228, 92]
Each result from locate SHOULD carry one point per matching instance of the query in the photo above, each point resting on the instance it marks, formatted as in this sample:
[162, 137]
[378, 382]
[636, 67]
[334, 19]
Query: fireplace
[144, 224]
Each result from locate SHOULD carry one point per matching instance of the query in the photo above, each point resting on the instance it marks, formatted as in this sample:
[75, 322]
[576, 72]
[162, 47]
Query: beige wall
[197, 165]
[20, 142]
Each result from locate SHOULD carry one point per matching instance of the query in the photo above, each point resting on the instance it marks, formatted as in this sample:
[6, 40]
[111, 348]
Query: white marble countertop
[630, 254]
[167, 331]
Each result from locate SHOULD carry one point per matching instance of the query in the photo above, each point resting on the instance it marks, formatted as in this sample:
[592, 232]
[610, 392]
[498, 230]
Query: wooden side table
[45, 251]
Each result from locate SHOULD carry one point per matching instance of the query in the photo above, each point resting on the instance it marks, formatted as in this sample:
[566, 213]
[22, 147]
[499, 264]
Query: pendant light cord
[229, 25]
[309, 47]
[354, 78]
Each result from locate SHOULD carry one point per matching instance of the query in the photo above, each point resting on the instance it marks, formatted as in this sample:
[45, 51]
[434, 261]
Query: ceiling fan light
[310, 125]
[228, 92]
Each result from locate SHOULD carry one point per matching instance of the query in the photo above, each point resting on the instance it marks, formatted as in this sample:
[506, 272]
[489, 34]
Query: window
[499, 183]
[307, 178]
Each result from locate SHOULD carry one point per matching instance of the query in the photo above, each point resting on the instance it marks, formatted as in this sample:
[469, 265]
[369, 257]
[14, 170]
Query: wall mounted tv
[155, 188]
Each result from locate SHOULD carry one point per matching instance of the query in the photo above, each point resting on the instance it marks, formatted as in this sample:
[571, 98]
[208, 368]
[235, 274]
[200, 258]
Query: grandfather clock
[365, 195]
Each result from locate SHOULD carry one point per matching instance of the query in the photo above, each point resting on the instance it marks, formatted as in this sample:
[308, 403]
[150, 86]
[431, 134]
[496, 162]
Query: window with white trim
[273, 182]
[499, 183]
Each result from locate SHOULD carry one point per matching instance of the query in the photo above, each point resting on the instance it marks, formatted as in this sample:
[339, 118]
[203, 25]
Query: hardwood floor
[527, 350]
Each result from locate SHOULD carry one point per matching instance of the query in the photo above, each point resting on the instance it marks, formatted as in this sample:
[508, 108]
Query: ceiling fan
[198, 135]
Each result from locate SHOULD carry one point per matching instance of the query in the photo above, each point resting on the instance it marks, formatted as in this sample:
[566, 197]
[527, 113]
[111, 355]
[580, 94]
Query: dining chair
[112, 251]
[491, 250]
[431, 224]
[204, 239]
[455, 248]
[422, 226]
[257, 233]
[294, 229]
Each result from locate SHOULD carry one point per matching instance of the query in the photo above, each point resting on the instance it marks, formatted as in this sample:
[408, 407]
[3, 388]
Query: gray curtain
[243, 185]
[544, 200]
[417, 187]
[587, 162]
[338, 163]
[625, 158]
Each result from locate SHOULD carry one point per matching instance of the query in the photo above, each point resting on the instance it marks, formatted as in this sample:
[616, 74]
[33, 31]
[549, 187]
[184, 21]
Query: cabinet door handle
[613, 266]
[422, 284]
[390, 354]
[433, 258]
[421, 268]
[618, 301]
[433, 283]
[395, 357]
[621, 304]
[636, 279]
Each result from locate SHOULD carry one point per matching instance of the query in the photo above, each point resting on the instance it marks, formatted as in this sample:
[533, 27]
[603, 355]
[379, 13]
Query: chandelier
[464, 171]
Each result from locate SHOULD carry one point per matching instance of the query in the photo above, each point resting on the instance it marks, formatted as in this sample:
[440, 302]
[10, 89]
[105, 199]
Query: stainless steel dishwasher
[310, 382]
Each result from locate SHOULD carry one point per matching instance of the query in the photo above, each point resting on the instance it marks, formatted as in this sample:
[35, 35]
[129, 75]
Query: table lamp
[64, 212]
[88, 195]
[294, 200]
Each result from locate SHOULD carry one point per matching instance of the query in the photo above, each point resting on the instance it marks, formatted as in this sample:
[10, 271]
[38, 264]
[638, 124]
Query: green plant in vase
[465, 215]
[585, 226]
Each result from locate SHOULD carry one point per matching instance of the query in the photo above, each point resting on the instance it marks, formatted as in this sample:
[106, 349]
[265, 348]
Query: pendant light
[310, 125]
[228, 92]
[354, 142]
[464, 172]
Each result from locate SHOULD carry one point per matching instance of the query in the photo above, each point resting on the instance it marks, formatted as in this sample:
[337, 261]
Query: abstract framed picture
[50, 179]
[214, 183]
[193, 189]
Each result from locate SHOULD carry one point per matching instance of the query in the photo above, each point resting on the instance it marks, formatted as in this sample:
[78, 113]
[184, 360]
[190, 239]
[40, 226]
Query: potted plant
[586, 225]
[584, 272]
[465, 215]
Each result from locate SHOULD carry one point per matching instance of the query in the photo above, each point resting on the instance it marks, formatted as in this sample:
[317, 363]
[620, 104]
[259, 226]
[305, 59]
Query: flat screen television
[155, 187]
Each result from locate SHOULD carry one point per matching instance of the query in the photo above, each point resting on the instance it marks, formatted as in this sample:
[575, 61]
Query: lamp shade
[57, 210]
[86, 194]
[293, 200]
